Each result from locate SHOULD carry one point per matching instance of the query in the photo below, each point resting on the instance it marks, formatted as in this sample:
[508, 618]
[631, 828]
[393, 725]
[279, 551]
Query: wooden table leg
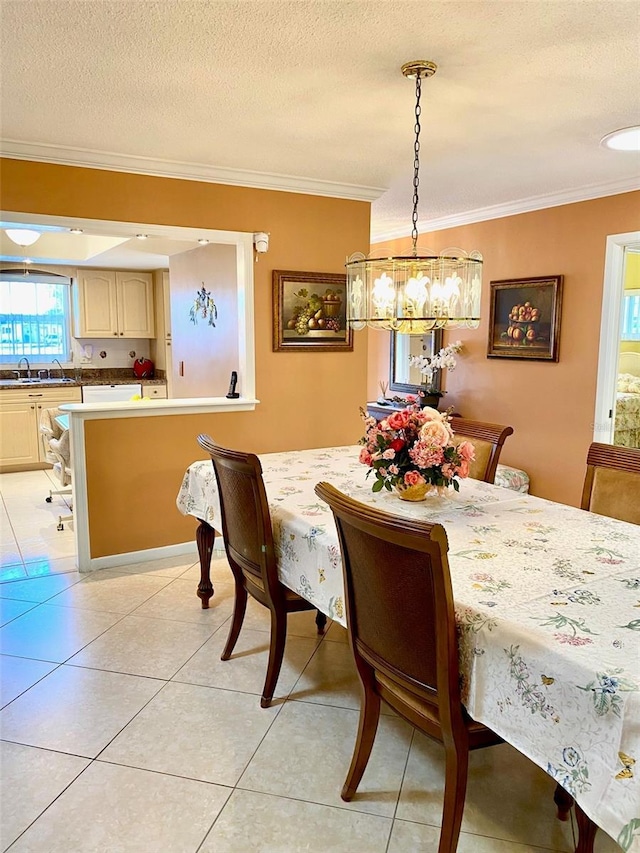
[586, 827]
[205, 537]
[563, 801]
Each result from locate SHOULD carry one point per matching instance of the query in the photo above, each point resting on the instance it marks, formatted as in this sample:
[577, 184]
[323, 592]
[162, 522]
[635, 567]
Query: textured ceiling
[523, 94]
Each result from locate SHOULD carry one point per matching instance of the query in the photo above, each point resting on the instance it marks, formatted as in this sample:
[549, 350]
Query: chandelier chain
[416, 166]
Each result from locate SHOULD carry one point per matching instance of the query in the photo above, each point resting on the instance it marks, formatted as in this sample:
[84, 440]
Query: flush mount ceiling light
[22, 236]
[420, 291]
[625, 139]
[76, 231]
[203, 241]
[142, 236]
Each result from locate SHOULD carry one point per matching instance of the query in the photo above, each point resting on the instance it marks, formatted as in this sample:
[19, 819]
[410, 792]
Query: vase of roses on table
[414, 452]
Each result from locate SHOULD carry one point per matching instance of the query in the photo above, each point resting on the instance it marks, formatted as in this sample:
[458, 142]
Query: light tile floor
[123, 731]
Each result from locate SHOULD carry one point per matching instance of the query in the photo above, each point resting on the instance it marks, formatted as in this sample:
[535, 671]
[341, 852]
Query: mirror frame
[436, 336]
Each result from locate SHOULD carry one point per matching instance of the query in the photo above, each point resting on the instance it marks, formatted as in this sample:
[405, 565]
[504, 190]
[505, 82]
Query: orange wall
[307, 399]
[302, 394]
[550, 406]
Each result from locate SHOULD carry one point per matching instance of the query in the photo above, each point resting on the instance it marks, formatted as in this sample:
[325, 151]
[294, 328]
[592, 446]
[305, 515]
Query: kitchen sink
[19, 383]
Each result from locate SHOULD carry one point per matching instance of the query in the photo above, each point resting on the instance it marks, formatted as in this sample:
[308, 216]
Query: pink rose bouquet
[412, 447]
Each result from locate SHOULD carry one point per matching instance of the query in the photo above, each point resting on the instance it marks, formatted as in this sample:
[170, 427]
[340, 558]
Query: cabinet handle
[35, 395]
[32, 408]
[115, 333]
[182, 368]
[168, 343]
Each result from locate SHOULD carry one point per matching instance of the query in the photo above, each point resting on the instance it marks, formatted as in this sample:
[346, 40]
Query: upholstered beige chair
[487, 440]
[612, 483]
[58, 453]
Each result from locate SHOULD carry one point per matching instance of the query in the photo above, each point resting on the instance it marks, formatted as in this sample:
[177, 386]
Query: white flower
[444, 360]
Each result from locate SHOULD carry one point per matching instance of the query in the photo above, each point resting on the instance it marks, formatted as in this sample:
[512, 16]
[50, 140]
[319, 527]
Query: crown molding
[512, 208]
[62, 155]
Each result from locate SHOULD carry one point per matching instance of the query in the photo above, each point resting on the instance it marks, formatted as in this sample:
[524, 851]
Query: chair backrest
[246, 521]
[612, 482]
[487, 440]
[56, 445]
[49, 429]
[399, 602]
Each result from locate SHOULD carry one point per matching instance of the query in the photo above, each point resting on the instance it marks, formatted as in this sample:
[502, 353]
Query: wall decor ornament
[309, 312]
[204, 306]
[524, 320]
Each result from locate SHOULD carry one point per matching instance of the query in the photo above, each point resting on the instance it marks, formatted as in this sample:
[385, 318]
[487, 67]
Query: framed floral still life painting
[524, 320]
[310, 312]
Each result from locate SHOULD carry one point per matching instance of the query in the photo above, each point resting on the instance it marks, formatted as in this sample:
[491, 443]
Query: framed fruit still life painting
[310, 312]
[524, 320]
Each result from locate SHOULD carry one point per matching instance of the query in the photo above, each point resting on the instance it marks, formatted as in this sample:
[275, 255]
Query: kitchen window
[35, 316]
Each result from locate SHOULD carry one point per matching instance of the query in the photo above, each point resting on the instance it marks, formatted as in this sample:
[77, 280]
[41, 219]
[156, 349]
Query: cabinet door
[163, 320]
[19, 440]
[95, 313]
[135, 304]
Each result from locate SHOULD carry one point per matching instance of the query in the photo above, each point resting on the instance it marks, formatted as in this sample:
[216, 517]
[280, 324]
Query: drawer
[38, 394]
[154, 391]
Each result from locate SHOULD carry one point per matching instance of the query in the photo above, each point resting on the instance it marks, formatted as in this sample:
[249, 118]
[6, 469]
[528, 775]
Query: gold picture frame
[524, 319]
[310, 312]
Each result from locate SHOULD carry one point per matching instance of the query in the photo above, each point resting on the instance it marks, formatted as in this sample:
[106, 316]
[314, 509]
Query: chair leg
[586, 832]
[455, 790]
[239, 609]
[367, 728]
[276, 653]
[321, 621]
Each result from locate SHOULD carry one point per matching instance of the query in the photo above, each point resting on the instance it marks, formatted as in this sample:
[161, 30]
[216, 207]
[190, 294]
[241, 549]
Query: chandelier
[421, 291]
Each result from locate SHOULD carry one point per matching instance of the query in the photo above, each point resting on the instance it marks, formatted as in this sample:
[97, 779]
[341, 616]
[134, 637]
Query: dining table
[547, 602]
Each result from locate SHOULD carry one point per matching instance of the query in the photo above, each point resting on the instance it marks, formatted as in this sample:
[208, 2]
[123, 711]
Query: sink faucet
[24, 358]
[55, 361]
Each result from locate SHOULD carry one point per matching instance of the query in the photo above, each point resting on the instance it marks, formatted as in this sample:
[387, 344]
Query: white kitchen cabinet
[110, 303]
[161, 348]
[154, 392]
[21, 443]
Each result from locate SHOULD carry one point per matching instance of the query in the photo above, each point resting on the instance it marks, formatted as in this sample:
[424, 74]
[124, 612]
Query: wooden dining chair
[612, 482]
[248, 541]
[402, 633]
[487, 440]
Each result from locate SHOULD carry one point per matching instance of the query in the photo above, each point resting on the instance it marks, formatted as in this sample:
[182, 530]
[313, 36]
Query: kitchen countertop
[19, 384]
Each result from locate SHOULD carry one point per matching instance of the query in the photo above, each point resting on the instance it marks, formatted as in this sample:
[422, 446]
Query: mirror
[403, 377]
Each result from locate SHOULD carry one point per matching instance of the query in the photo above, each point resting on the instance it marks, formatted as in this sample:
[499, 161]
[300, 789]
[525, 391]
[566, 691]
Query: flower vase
[429, 399]
[420, 492]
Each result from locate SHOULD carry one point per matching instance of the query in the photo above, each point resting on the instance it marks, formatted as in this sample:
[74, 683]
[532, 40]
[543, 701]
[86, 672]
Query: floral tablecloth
[547, 603]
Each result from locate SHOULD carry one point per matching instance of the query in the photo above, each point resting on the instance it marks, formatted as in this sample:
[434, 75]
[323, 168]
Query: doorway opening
[617, 415]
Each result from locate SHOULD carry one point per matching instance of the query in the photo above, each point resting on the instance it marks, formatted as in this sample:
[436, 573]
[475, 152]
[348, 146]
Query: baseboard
[114, 560]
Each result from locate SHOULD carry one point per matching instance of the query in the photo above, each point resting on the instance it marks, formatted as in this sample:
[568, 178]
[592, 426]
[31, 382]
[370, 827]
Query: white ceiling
[308, 95]
[110, 245]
